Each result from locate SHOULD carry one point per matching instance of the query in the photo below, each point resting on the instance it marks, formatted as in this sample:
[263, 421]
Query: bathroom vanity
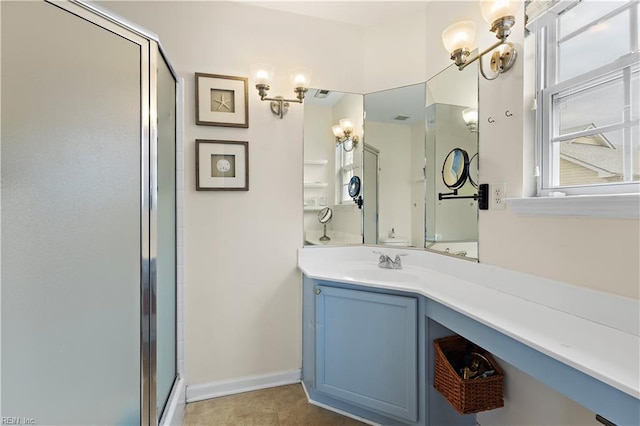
[368, 334]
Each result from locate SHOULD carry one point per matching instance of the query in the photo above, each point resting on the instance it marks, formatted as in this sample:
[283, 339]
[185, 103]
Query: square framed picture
[222, 165]
[222, 100]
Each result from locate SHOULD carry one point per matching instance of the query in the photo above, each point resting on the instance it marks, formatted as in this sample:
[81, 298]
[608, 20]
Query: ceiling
[407, 101]
[384, 106]
[354, 12]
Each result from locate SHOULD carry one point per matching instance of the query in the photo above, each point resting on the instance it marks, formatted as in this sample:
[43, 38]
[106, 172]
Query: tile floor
[283, 405]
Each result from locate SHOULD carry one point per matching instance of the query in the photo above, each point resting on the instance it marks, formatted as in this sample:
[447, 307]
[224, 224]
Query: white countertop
[596, 333]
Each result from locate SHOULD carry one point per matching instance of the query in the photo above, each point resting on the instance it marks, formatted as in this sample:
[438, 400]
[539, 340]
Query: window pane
[599, 45]
[597, 159]
[600, 103]
[635, 93]
[585, 13]
[348, 157]
[345, 193]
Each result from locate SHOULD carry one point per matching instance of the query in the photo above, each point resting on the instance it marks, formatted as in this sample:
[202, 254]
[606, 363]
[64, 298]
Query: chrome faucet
[385, 261]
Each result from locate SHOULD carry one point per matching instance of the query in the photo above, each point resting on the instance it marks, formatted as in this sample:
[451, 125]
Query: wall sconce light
[470, 117]
[263, 76]
[459, 37]
[344, 134]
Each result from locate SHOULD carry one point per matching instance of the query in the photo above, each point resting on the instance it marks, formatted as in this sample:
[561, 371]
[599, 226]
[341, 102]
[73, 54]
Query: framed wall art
[222, 165]
[222, 100]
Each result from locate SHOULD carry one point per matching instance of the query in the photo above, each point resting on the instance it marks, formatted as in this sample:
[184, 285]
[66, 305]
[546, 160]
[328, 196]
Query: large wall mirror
[332, 158]
[451, 146]
[394, 156]
[397, 167]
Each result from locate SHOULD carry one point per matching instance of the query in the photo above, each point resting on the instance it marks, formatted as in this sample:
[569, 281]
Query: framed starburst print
[222, 100]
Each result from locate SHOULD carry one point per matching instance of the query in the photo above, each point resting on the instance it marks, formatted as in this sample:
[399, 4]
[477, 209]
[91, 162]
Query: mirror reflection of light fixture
[344, 134]
[470, 117]
[459, 37]
[262, 75]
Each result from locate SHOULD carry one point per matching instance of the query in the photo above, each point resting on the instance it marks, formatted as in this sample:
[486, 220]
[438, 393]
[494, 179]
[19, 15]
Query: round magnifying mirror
[473, 170]
[325, 215]
[354, 186]
[455, 168]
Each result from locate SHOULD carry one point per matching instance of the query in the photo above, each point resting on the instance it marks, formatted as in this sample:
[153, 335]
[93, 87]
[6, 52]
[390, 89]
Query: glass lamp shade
[460, 35]
[337, 131]
[470, 115]
[347, 124]
[300, 77]
[262, 73]
[496, 9]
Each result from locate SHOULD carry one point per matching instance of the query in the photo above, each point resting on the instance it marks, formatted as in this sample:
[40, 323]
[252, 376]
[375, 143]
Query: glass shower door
[72, 257]
[166, 255]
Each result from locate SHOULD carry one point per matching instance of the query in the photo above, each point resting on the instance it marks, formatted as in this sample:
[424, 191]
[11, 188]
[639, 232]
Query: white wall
[395, 52]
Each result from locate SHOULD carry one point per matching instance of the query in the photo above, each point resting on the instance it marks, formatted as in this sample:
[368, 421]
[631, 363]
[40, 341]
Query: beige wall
[243, 310]
[243, 290]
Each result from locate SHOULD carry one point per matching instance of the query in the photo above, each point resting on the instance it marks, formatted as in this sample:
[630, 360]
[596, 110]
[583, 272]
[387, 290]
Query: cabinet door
[366, 348]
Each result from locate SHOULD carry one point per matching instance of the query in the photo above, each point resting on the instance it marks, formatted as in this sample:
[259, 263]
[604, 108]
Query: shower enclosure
[88, 203]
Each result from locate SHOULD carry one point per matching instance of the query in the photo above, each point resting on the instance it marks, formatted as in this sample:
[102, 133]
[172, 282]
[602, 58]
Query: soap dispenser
[392, 234]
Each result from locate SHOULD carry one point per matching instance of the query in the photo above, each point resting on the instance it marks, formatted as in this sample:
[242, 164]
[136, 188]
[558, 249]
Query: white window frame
[547, 88]
[344, 173]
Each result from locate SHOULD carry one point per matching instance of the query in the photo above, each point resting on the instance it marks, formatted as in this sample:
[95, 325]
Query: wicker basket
[466, 395]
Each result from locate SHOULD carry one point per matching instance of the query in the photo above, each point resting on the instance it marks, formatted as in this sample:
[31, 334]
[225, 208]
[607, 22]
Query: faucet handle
[397, 260]
[383, 257]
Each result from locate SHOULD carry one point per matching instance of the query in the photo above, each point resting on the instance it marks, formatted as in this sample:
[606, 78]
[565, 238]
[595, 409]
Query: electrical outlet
[498, 194]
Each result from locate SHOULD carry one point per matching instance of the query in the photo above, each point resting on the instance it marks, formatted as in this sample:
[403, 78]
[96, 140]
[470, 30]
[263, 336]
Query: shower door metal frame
[150, 47]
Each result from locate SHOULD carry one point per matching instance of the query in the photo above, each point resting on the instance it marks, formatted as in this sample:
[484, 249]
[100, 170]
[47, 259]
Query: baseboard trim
[335, 410]
[241, 384]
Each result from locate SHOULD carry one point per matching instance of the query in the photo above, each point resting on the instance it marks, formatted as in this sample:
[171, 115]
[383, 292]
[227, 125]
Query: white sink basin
[380, 274]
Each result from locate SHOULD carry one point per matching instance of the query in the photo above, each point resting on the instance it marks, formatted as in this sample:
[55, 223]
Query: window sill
[606, 206]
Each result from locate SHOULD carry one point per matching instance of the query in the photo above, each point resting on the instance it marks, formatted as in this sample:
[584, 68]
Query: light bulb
[347, 124]
[470, 115]
[337, 131]
[460, 35]
[300, 77]
[496, 9]
[262, 73]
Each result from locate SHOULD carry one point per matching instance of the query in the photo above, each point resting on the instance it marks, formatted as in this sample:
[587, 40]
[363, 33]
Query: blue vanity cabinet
[366, 348]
